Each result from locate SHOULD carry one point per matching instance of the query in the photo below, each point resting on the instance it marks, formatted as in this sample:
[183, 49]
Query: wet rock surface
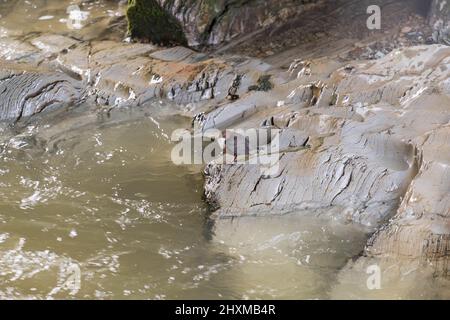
[244, 26]
[439, 20]
[338, 28]
[27, 92]
[83, 20]
[371, 156]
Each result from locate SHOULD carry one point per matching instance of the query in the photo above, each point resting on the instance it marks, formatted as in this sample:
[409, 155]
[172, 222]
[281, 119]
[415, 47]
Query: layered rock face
[439, 16]
[47, 71]
[348, 142]
[367, 143]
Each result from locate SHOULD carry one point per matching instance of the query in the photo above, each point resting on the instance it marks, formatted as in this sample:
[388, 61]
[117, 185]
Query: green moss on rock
[147, 20]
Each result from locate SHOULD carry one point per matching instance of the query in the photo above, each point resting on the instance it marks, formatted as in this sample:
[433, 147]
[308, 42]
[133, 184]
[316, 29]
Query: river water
[91, 206]
[98, 194]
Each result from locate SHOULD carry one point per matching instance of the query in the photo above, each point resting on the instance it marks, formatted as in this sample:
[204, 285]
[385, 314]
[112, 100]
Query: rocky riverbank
[365, 126]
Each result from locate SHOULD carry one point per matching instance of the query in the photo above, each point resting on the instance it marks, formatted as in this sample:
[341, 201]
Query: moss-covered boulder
[209, 22]
[215, 22]
[148, 20]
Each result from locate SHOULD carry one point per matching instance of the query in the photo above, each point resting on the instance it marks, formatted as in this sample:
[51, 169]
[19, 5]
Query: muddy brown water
[92, 207]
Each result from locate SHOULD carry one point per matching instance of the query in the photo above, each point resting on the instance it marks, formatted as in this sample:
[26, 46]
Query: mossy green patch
[147, 20]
